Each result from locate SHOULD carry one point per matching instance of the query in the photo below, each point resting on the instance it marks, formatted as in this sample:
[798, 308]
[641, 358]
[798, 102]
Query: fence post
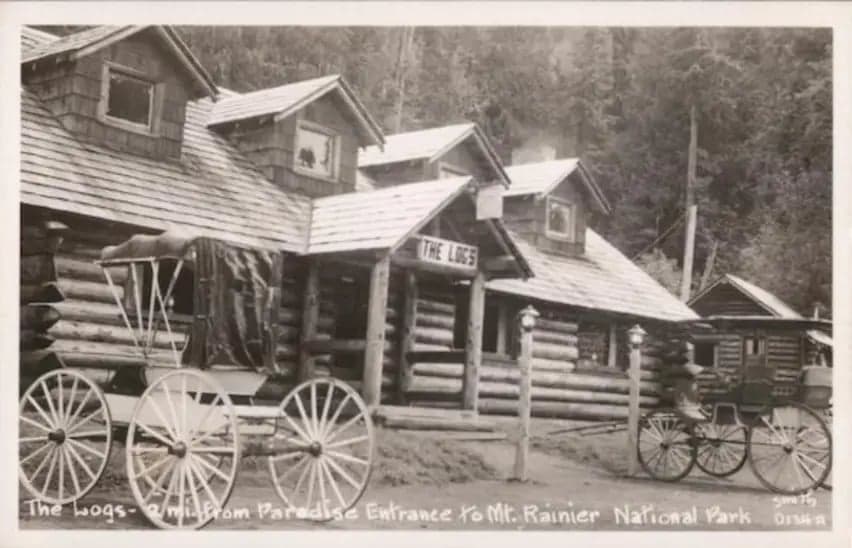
[636, 335]
[526, 323]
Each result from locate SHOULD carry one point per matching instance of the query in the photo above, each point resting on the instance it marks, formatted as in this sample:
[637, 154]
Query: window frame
[154, 100]
[336, 142]
[143, 272]
[560, 236]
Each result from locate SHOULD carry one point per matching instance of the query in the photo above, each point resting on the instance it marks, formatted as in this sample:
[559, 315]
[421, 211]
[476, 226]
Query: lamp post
[526, 323]
[635, 337]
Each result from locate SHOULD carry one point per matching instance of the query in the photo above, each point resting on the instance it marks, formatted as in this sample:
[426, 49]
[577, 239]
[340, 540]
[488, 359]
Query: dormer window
[560, 223]
[128, 99]
[317, 151]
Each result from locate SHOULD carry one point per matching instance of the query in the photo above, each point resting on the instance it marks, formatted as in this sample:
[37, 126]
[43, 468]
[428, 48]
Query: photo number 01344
[538, 278]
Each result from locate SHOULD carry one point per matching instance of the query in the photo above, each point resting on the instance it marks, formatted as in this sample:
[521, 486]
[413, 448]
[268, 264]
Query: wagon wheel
[721, 448]
[828, 418]
[789, 448]
[325, 459]
[65, 436]
[182, 450]
[666, 446]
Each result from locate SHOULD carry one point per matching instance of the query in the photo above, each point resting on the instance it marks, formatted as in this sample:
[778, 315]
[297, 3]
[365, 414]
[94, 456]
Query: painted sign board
[489, 202]
[447, 253]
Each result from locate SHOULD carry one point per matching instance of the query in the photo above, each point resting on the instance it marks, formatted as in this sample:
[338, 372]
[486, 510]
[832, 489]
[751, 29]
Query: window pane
[129, 98]
[560, 219]
[315, 152]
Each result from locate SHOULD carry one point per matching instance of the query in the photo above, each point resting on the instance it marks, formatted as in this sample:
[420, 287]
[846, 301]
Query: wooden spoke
[314, 414]
[348, 441]
[305, 420]
[333, 483]
[334, 435]
[292, 469]
[348, 458]
[201, 463]
[342, 472]
[325, 408]
[62, 481]
[339, 410]
[164, 422]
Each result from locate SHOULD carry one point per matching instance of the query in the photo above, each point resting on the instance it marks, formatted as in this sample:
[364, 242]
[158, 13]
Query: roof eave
[484, 145]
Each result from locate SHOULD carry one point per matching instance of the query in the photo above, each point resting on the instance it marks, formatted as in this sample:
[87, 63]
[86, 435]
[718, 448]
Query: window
[316, 151]
[182, 299]
[754, 346]
[447, 171]
[560, 219]
[127, 99]
[705, 354]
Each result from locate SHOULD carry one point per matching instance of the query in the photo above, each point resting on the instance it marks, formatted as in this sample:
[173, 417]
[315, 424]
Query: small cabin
[753, 330]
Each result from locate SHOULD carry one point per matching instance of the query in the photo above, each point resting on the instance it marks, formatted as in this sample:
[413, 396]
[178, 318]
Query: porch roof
[602, 279]
[378, 219]
[761, 297]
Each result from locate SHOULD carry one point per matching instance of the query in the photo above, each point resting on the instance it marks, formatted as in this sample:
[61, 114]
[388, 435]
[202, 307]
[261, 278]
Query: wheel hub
[57, 436]
[788, 448]
[179, 449]
[315, 449]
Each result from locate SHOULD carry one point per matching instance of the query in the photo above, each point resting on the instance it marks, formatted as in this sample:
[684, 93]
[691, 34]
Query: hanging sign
[447, 252]
[489, 202]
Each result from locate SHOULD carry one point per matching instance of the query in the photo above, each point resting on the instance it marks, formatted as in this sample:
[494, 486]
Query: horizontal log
[544, 393]
[430, 319]
[45, 293]
[67, 349]
[556, 410]
[68, 266]
[431, 335]
[436, 307]
[89, 291]
[38, 317]
[556, 325]
[450, 370]
[37, 269]
[554, 337]
[331, 346]
[34, 340]
[85, 331]
[430, 423]
[437, 356]
[554, 351]
[435, 386]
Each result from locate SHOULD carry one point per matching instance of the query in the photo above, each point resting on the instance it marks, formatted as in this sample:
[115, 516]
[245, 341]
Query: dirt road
[576, 484]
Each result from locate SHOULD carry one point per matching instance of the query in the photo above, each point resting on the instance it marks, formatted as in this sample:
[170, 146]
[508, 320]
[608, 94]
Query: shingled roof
[378, 219]
[429, 144]
[282, 101]
[601, 279]
[540, 178]
[761, 297]
[91, 40]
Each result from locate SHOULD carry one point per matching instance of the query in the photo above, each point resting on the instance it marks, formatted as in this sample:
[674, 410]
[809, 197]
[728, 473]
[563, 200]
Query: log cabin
[124, 132]
[754, 332]
[589, 294]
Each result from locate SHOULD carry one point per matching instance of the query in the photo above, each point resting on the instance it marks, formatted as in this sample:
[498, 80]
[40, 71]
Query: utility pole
[691, 208]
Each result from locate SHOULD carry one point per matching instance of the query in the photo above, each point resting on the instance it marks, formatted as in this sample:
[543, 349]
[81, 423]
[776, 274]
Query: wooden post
[526, 323]
[473, 343]
[375, 352]
[691, 209]
[635, 337]
[310, 319]
[407, 331]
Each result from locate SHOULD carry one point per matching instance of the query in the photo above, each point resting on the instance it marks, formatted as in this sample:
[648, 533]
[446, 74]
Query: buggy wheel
[666, 446]
[326, 455]
[64, 436]
[789, 448]
[720, 448]
[183, 449]
[828, 418]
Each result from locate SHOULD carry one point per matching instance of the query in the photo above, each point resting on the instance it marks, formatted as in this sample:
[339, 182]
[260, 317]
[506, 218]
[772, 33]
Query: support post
[526, 323]
[374, 354]
[310, 319]
[473, 343]
[407, 332]
[636, 336]
[691, 209]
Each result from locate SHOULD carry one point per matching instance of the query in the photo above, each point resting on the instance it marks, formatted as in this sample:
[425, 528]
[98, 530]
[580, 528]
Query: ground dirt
[425, 481]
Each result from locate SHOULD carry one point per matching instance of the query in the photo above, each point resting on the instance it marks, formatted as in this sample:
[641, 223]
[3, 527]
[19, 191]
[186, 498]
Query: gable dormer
[435, 153]
[549, 203]
[124, 88]
[303, 136]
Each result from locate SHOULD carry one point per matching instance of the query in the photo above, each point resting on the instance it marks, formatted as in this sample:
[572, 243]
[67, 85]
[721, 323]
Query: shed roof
[430, 145]
[282, 101]
[91, 40]
[378, 219]
[602, 279]
[763, 298]
[210, 191]
[541, 178]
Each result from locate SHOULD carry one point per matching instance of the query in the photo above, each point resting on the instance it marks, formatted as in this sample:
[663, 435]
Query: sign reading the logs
[447, 252]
